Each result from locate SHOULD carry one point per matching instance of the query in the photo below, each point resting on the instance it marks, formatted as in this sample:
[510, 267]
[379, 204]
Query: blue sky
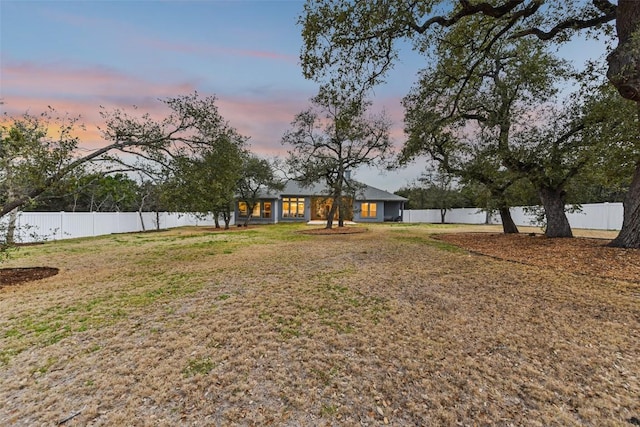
[79, 55]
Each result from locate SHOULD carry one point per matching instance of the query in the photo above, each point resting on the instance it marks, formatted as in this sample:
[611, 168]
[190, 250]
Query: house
[303, 204]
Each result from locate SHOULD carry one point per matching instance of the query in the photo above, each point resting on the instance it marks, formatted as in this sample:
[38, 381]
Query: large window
[368, 210]
[293, 207]
[243, 209]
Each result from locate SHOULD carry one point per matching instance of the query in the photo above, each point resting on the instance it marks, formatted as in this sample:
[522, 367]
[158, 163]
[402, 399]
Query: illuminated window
[243, 208]
[293, 207]
[267, 210]
[368, 210]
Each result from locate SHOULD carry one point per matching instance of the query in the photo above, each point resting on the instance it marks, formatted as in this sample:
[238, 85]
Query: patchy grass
[271, 326]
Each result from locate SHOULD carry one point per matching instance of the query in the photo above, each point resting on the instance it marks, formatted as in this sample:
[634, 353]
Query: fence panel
[42, 226]
[596, 216]
[36, 226]
[466, 216]
[80, 225]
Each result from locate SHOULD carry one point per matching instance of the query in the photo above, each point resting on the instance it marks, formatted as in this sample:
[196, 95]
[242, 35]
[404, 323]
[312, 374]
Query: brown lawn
[269, 326]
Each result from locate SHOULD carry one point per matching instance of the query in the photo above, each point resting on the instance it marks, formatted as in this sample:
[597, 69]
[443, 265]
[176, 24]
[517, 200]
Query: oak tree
[343, 39]
[335, 136]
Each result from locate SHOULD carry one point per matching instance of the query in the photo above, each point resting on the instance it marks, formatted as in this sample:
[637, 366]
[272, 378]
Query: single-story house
[303, 204]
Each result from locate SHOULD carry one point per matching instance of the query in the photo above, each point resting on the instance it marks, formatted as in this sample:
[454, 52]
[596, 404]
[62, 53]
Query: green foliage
[207, 182]
[34, 158]
[257, 176]
[611, 130]
[343, 40]
[470, 107]
[92, 192]
[435, 190]
[33, 152]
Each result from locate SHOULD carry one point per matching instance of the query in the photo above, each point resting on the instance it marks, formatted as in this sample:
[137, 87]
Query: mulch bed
[577, 255]
[14, 276]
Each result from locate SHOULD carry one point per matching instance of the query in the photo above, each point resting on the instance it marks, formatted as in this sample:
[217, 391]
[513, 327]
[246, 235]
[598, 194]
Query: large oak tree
[38, 152]
[343, 39]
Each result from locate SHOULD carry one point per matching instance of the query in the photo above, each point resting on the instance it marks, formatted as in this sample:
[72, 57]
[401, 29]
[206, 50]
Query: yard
[271, 326]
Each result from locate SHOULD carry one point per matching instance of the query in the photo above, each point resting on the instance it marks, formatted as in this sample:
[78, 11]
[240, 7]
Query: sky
[77, 56]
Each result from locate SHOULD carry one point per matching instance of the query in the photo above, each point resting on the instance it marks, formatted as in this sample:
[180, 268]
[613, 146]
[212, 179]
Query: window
[267, 210]
[368, 210]
[293, 207]
[243, 208]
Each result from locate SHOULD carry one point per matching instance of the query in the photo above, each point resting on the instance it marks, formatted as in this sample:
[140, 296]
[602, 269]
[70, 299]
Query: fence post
[61, 225]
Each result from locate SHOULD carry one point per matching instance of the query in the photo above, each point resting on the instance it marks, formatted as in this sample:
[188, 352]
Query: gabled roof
[365, 192]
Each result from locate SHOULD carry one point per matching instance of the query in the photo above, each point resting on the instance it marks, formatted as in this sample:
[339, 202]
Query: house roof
[366, 192]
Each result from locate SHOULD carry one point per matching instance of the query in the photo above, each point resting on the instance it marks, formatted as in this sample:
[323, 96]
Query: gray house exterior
[303, 204]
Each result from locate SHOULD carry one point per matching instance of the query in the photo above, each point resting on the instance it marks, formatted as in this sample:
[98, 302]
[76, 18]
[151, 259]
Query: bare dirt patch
[333, 231]
[577, 255]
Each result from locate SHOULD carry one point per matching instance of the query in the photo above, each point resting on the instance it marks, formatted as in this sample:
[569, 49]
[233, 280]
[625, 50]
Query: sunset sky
[79, 55]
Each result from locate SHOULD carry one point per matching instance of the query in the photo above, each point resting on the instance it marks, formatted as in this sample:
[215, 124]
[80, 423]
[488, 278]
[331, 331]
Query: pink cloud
[266, 119]
[80, 91]
[63, 80]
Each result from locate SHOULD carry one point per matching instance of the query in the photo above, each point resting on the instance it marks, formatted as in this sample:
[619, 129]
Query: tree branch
[609, 14]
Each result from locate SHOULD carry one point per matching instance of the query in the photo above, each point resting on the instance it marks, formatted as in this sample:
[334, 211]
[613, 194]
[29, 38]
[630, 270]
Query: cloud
[210, 50]
[81, 91]
[263, 113]
[68, 81]
[263, 118]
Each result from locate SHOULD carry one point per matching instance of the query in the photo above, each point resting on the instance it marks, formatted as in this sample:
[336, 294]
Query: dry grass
[270, 326]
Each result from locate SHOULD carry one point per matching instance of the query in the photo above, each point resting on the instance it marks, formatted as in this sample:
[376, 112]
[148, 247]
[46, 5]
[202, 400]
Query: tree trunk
[250, 208]
[624, 74]
[216, 219]
[332, 213]
[443, 215]
[141, 219]
[557, 222]
[226, 216]
[158, 220]
[11, 227]
[508, 226]
[341, 213]
[629, 236]
[624, 64]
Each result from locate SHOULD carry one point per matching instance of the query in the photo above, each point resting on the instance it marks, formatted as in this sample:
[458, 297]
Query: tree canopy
[346, 40]
[332, 138]
[39, 152]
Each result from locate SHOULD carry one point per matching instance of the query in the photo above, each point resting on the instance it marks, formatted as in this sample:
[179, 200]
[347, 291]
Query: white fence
[596, 216]
[40, 226]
